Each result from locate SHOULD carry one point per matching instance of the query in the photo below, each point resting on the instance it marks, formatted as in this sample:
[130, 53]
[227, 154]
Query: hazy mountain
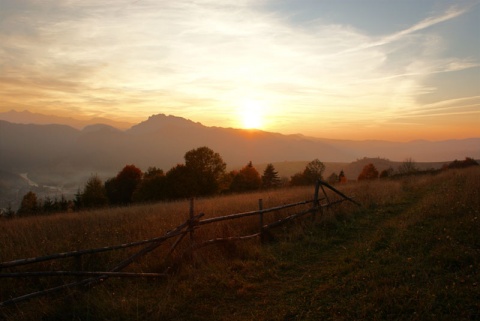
[60, 155]
[26, 117]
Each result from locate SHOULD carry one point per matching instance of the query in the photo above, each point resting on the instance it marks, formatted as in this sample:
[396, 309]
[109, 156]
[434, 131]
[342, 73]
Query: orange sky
[406, 70]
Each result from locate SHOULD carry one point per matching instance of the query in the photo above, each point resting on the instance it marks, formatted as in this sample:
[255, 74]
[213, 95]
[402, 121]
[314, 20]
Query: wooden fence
[194, 222]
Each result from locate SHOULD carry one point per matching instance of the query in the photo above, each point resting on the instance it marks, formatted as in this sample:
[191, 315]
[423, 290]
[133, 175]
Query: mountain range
[57, 154]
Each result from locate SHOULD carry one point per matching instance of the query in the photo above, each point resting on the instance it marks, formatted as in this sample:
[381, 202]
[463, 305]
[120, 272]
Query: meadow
[410, 252]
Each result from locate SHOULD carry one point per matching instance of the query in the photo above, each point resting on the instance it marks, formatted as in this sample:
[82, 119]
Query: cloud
[195, 57]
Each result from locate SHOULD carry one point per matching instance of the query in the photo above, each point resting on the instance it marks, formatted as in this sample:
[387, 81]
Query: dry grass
[411, 252]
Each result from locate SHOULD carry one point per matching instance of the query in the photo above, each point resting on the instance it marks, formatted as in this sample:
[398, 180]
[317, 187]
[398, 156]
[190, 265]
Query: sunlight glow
[252, 114]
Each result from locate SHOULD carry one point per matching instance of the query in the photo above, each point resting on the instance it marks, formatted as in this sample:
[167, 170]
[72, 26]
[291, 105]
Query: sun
[252, 115]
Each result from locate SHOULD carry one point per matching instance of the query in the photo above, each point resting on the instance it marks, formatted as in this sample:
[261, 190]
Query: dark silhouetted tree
[332, 179]
[461, 164]
[247, 179]
[270, 177]
[153, 186]
[207, 168]
[181, 182]
[120, 189]
[94, 194]
[29, 204]
[407, 167]
[369, 172]
[386, 173]
[342, 178]
[298, 179]
[314, 171]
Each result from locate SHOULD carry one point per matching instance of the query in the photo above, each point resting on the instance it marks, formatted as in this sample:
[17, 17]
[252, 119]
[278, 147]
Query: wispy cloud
[191, 58]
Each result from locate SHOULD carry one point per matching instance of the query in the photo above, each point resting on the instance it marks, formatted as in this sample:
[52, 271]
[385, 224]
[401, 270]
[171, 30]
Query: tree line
[409, 167]
[202, 174]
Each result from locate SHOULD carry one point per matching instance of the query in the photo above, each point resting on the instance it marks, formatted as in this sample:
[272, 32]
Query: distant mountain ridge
[65, 157]
[27, 117]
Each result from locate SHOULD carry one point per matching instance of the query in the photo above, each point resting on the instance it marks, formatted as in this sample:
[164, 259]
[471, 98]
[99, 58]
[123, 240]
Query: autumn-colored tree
[270, 177]
[94, 194]
[369, 172]
[207, 169]
[247, 179]
[29, 204]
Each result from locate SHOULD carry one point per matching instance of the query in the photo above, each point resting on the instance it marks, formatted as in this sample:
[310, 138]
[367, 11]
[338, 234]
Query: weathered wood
[80, 273]
[173, 247]
[338, 192]
[245, 214]
[83, 252]
[260, 208]
[287, 219]
[192, 223]
[120, 266]
[225, 239]
[149, 248]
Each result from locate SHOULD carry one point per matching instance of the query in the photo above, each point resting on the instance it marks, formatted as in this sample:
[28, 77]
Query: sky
[346, 69]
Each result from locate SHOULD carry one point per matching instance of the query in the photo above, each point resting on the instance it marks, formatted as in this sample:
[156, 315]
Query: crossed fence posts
[188, 227]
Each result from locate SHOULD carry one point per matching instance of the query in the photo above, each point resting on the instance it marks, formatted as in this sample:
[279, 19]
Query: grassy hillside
[411, 252]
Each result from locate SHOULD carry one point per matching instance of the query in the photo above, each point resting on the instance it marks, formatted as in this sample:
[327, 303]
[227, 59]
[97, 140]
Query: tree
[207, 168]
[461, 164]
[332, 179]
[29, 204]
[94, 194]
[153, 186]
[181, 183]
[120, 188]
[369, 172]
[407, 167]
[386, 173]
[247, 179]
[298, 179]
[314, 171]
[342, 178]
[270, 177]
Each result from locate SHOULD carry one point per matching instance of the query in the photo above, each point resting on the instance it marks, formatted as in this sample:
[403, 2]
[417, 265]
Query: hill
[410, 252]
[26, 117]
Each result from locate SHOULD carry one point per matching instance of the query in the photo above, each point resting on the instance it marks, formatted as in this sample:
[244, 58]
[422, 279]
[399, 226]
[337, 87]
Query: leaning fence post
[260, 208]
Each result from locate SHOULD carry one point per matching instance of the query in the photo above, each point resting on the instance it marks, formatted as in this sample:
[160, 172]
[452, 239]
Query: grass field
[411, 252]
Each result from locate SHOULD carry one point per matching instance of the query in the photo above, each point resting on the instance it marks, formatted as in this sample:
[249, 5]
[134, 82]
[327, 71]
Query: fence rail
[188, 227]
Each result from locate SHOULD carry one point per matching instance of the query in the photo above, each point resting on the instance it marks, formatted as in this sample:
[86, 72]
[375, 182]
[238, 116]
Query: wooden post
[260, 207]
